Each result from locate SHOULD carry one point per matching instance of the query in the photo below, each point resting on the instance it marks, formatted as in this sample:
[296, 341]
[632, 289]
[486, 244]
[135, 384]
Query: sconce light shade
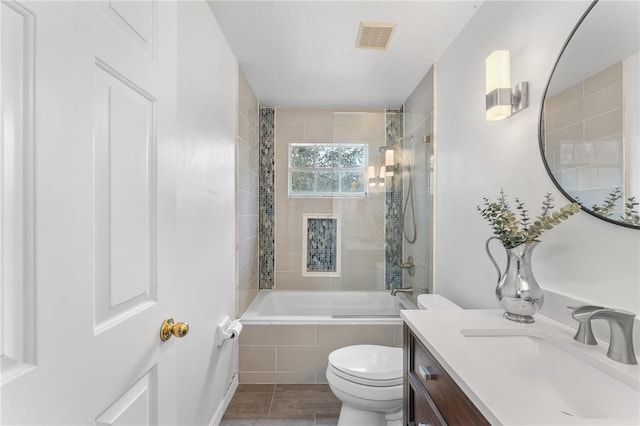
[498, 77]
[501, 100]
[381, 178]
[372, 176]
[389, 159]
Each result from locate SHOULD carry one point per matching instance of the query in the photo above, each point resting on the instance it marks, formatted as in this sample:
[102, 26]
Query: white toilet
[368, 378]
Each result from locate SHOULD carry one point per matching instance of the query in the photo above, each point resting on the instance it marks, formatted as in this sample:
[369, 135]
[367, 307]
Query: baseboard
[222, 407]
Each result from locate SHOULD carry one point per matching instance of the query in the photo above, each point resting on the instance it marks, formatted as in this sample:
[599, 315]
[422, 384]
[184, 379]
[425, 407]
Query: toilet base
[350, 416]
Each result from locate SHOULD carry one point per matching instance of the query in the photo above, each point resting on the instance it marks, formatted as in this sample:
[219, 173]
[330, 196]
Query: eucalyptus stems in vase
[513, 228]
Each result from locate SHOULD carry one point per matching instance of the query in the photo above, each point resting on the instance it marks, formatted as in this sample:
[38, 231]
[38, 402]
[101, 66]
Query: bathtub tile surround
[247, 193]
[267, 198]
[297, 353]
[393, 206]
[362, 218]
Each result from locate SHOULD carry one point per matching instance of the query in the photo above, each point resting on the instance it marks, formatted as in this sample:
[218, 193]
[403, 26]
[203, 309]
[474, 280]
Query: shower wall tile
[295, 262]
[584, 136]
[305, 115]
[282, 261]
[362, 219]
[569, 95]
[291, 132]
[292, 280]
[267, 198]
[393, 219]
[611, 123]
[317, 132]
[606, 78]
[359, 281]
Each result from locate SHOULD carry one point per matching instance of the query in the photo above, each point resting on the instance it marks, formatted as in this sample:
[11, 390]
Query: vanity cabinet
[431, 397]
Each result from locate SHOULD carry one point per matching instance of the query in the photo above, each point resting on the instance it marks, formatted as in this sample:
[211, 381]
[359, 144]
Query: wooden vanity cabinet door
[422, 409]
[438, 400]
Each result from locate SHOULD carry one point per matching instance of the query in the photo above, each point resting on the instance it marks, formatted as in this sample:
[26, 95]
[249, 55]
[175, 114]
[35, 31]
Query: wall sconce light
[373, 179]
[502, 100]
[389, 158]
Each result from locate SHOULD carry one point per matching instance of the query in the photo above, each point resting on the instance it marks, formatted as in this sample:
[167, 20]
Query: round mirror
[589, 130]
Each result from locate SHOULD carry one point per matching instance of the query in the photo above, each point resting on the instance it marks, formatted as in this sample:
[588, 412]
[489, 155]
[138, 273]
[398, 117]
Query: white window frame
[316, 170]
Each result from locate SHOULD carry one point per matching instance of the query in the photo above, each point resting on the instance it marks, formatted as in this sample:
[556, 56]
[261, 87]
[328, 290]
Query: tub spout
[401, 290]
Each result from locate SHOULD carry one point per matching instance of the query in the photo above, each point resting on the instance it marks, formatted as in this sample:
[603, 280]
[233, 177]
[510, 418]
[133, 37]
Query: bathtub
[288, 334]
[325, 307]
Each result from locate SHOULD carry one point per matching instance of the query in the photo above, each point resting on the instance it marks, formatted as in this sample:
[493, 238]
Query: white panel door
[92, 91]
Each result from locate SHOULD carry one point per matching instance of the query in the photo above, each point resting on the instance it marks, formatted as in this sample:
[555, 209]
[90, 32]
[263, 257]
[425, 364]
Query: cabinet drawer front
[452, 403]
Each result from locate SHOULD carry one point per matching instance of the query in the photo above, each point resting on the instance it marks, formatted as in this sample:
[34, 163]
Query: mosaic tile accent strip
[393, 203]
[267, 198]
[322, 246]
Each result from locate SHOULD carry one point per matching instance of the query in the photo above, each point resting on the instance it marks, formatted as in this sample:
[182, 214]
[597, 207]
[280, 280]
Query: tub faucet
[620, 323]
[401, 290]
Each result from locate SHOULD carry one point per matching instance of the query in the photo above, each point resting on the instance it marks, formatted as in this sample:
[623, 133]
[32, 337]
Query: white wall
[584, 258]
[206, 272]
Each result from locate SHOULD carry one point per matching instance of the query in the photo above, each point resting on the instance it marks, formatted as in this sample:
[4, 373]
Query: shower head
[384, 149]
[410, 137]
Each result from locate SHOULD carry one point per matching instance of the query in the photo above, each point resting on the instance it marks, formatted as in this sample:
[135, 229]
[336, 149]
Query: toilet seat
[370, 365]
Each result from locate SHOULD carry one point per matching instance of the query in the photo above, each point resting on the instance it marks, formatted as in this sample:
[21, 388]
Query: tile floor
[282, 405]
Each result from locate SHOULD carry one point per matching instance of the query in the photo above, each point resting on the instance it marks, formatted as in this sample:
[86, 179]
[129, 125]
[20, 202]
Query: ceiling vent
[375, 35]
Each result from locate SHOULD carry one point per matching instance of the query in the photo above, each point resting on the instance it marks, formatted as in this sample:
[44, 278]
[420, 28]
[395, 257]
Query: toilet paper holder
[228, 330]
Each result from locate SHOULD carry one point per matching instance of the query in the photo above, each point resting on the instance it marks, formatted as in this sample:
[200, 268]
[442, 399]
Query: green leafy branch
[606, 209]
[631, 214]
[518, 228]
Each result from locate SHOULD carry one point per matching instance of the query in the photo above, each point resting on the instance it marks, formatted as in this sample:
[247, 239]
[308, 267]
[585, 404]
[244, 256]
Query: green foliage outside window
[327, 169]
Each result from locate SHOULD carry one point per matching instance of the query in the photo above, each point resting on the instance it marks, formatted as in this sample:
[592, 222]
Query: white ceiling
[302, 53]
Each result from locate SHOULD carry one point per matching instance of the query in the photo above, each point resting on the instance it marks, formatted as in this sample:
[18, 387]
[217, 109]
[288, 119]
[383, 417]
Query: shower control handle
[410, 266]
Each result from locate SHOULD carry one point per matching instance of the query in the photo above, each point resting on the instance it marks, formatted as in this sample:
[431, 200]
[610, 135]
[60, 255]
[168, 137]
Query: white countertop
[516, 396]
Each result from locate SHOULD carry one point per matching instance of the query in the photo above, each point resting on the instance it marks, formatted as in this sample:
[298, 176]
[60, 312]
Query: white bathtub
[322, 307]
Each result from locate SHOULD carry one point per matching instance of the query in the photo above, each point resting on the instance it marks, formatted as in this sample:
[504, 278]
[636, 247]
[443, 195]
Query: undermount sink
[557, 376]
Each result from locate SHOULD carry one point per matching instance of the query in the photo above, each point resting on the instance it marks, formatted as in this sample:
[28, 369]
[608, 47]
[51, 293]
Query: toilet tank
[436, 302]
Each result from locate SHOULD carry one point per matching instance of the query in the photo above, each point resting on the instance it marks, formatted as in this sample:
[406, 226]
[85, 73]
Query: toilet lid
[370, 362]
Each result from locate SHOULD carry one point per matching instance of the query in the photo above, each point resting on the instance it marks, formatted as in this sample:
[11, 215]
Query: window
[327, 170]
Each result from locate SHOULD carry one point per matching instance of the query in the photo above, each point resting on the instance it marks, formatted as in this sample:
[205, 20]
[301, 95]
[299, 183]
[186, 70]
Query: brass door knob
[169, 328]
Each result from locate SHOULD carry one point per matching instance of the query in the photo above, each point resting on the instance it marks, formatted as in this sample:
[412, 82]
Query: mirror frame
[540, 130]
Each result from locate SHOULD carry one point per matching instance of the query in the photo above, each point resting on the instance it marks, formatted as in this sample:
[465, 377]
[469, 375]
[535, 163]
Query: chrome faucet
[401, 290]
[620, 323]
